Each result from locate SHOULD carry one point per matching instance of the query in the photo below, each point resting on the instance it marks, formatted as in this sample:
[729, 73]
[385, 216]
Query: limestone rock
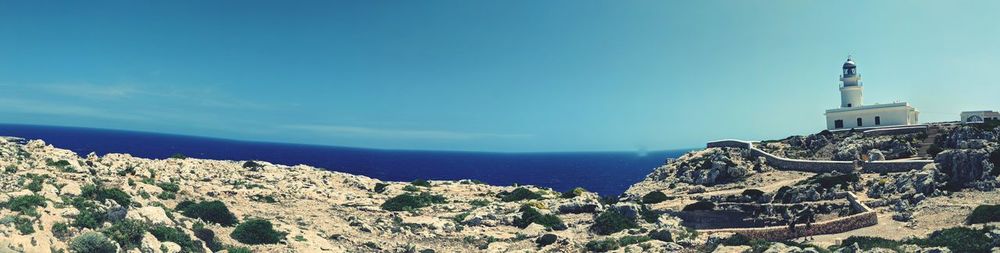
[964, 165]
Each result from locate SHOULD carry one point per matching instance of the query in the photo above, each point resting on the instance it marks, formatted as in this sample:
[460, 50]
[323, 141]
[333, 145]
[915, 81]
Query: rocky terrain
[56, 201]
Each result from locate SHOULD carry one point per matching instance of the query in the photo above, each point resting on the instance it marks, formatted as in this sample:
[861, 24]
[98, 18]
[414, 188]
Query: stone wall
[817, 166]
[866, 217]
[896, 130]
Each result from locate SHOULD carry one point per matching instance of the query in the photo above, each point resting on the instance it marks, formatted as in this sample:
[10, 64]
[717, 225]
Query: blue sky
[487, 75]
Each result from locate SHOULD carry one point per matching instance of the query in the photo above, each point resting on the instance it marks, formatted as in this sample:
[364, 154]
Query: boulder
[150, 214]
[964, 166]
[875, 155]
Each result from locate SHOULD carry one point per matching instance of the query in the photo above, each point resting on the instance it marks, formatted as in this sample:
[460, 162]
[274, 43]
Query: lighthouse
[850, 85]
[853, 113]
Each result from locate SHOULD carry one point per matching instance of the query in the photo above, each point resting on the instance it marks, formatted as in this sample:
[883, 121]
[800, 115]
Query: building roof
[849, 63]
[865, 107]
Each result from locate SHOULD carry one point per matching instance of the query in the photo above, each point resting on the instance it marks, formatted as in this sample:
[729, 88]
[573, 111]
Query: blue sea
[607, 173]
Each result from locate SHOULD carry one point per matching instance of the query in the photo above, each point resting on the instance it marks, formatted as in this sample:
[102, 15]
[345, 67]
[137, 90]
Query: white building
[854, 114]
[979, 116]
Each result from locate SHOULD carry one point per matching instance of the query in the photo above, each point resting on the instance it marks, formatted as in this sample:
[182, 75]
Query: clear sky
[487, 75]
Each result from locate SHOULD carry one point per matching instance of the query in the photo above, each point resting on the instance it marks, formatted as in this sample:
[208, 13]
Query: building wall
[888, 116]
[817, 166]
[984, 115]
[851, 96]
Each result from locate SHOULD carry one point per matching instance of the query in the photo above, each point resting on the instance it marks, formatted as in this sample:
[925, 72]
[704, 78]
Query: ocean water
[607, 173]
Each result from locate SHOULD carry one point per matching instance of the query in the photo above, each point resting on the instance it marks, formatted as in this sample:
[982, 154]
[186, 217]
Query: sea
[607, 173]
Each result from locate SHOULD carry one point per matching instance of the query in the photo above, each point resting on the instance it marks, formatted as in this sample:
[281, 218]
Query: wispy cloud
[40, 107]
[368, 132]
[206, 97]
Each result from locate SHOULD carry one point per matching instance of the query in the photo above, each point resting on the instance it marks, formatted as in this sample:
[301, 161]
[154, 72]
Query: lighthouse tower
[850, 88]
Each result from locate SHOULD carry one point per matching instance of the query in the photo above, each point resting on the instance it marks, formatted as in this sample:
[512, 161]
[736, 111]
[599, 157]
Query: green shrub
[169, 187]
[479, 202]
[408, 201]
[60, 229]
[546, 239]
[984, 214]
[23, 224]
[170, 234]
[207, 236]
[572, 193]
[380, 187]
[178, 156]
[92, 242]
[128, 233]
[421, 182]
[610, 222]
[661, 235]
[88, 218]
[531, 215]
[699, 206]
[959, 239]
[654, 197]
[25, 203]
[519, 194]
[166, 195]
[239, 250]
[263, 198]
[608, 244]
[648, 215]
[60, 163]
[211, 211]
[632, 239]
[252, 165]
[101, 194]
[411, 188]
[36, 182]
[256, 231]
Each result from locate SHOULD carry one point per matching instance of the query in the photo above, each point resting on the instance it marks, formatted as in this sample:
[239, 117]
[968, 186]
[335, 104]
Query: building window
[878, 120]
[859, 121]
[848, 105]
[838, 124]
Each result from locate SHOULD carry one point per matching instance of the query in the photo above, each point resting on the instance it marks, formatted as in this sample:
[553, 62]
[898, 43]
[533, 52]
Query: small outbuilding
[979, 116]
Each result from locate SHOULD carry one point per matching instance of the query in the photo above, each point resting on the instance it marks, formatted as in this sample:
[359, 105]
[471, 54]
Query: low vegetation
[170, 234]
[957, 239]
[610, 222]
[531, 215]
[25, 203]
[699, 206]
[654, 197]
[572, 193]
[256, 231]
[128, 233]
[380, 187]
[421, 183]
[984, 214]
[92, 242]
[211, 211]
[519, 194]
[99, 193]
[409, 201]
[609, 244]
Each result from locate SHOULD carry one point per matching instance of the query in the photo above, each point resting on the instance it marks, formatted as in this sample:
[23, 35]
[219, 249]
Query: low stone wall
[896, 130]
[867, 217]
[817, 166]
[895, 166]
